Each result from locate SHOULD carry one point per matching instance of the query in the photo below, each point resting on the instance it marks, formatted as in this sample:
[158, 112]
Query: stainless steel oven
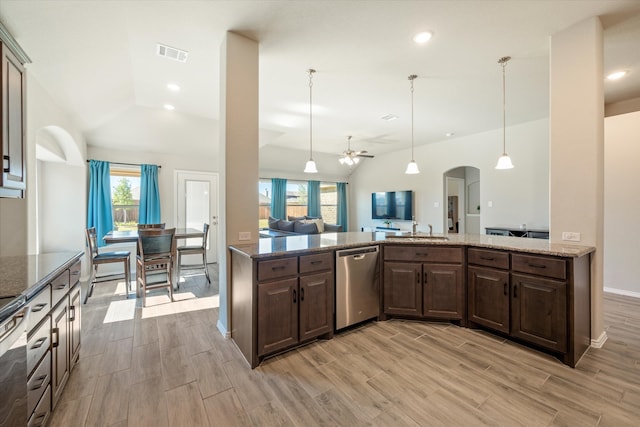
[13, 362]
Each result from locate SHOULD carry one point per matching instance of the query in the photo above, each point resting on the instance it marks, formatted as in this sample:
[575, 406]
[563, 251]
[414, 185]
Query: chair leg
[92, 278]
[206, 269]
[127, 276]
[178, 274]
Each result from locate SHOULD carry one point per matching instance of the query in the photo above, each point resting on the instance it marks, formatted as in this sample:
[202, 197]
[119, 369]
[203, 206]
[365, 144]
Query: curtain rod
[125, 164]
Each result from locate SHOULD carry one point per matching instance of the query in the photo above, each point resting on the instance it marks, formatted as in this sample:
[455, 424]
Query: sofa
[302, 225]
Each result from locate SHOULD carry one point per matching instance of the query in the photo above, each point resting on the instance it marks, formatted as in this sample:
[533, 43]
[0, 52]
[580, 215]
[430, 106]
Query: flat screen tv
[396, 205]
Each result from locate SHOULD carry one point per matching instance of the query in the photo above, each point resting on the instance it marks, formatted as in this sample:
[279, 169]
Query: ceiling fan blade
[368, 156]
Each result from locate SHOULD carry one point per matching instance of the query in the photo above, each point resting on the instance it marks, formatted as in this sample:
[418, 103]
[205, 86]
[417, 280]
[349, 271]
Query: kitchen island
[529, 290]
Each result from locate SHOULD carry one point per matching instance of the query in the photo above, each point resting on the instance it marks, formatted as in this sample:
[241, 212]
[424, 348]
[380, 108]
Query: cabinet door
[277, 315]
[489, 298]
[74, 325]
[12, 90]
[538, 311]
[59, 350]
[443, 295]
[403, 288]
[316, 305]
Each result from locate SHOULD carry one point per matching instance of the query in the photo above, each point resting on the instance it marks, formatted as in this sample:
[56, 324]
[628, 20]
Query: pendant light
[412, 167]
[504, 162]
[310, 167]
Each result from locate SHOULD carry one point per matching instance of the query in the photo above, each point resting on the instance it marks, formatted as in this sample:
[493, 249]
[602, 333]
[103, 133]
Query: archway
[461, 213]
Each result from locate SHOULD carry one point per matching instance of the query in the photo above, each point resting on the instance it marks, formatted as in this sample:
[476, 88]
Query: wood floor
[167, 365]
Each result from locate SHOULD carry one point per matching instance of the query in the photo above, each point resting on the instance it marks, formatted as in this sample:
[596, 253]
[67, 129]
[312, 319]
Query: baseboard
[622, 292]
[223, 330]
[599, 342]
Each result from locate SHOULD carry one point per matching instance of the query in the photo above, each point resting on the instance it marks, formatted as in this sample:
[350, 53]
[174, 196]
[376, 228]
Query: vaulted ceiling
[98, 60]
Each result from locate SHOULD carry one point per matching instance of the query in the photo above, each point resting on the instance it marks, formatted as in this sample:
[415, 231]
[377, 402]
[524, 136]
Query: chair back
[205, 228]
[92, 242]
[147, 226]
[156, 242]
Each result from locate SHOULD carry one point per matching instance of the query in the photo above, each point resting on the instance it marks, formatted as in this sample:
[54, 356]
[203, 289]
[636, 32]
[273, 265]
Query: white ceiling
[97, 59]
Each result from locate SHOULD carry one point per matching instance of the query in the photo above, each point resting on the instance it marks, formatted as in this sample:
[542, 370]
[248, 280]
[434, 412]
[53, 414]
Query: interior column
[576, 148]
[239, 151]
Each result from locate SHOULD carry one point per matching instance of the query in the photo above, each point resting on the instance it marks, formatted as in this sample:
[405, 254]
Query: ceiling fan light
[412, 168]
[342, 160]
[504, 162]
[356, 160]
[310, 167]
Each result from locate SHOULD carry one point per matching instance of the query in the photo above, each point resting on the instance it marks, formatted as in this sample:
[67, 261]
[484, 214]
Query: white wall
[621, 204]
[519, 195]
[204, 160]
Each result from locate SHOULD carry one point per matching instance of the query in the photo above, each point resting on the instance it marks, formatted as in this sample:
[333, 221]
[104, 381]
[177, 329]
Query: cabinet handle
[417, 277]
[39, 343]
[316, 262]
[280, 267]
[62, 286]
[537, 265]
[301, 294]
[39, 307]
[41, 383]
[505, 288]
[487, 258]
[425, 277]
[294, 297]
[6, 169]
[72, 313]
[39, 420]
[422, 253]
[515, 291]
[57, 332]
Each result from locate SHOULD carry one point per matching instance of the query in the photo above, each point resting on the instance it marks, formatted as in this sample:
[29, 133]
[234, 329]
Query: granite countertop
[26, 274]
[291, 245]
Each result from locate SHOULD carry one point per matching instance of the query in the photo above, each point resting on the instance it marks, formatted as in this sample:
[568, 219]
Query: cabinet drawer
[38, 382]
[423, 253]
[40, 306]
[541, 266]
[59, 287]
[488, 258]
[74, 272]
[38, 344]
[318, 262]
[277, 268]
[41, 415]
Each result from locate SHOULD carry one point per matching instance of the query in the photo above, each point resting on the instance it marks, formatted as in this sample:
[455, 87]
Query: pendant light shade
[504, 162]
[412, 167]
[310, 167]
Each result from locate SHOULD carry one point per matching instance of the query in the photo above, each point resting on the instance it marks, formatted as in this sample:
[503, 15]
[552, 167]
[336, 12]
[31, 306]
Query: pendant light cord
[311, 71]
[411, 78]
[504, 110]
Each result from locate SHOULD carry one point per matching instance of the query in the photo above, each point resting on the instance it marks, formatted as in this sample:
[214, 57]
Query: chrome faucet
[414, 225]
[430, 229]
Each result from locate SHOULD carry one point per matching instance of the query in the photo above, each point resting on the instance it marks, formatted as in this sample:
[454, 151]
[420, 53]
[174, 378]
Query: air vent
[172, 53]
[389, 117]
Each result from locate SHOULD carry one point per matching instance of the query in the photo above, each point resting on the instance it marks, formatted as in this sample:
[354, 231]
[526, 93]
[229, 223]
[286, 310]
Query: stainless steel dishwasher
[357, 286]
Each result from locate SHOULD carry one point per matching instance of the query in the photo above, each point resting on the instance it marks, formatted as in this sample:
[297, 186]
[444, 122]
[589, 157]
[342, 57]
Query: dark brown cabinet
[295, 301]
[74, 324]
[540, 300]
[59, 350]
[12, 112]
[433, 288]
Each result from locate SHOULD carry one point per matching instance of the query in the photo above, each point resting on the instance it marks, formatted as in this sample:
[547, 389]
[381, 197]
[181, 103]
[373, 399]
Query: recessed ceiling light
[173, 87]
[423, 37]
[617, 75]
[169, 107]
[389, 117]
[449, 134]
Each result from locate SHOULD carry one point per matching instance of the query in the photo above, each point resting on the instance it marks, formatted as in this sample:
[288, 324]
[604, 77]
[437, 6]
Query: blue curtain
[279, 198]
[99, 211]
[342, 205]
[313, 199]
[149, 195]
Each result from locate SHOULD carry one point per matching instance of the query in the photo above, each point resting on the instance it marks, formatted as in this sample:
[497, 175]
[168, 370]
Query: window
[297, 199]
[125, 197]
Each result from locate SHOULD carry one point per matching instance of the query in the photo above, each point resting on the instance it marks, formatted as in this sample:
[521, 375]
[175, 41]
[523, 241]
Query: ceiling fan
[351, 157]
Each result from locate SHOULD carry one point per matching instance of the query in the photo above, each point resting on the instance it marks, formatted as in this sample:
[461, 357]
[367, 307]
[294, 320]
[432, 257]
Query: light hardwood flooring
[167, 365]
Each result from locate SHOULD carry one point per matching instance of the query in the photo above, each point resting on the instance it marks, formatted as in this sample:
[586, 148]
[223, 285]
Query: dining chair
[96, 258]
[200, 249]
[147, 226]
[154, 260]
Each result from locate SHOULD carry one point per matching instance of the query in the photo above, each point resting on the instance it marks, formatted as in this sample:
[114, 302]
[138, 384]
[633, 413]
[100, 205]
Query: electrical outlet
[571, 236]
[244, 235]
[436, 204]
[490, 204]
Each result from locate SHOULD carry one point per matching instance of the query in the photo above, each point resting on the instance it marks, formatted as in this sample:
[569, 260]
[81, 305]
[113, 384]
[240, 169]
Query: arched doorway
[461, 203]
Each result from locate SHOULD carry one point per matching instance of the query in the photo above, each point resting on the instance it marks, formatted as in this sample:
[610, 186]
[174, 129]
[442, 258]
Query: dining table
[131, 236]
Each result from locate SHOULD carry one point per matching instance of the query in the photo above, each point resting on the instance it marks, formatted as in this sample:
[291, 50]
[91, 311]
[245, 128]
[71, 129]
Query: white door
[197, 194]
